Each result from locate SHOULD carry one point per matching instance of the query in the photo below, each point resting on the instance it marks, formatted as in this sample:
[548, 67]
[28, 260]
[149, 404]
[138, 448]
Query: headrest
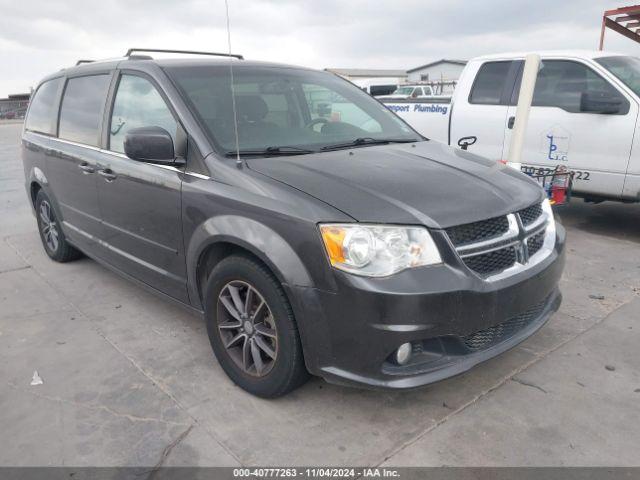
[251, 107]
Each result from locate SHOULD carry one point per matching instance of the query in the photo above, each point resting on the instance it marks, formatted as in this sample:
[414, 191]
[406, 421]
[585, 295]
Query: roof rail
[80, 62]
[188, 52]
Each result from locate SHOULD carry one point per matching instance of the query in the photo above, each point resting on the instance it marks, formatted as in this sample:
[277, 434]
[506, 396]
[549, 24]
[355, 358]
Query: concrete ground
[130, 379]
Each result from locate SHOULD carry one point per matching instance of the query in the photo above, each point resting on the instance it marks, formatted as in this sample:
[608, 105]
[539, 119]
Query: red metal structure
[624, 20]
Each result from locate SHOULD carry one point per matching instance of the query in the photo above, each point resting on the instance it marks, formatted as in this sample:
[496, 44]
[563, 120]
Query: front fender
[251, 235]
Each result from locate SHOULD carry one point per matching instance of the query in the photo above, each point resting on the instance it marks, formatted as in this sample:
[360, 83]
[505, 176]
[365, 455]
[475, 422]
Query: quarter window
[81, 110]
[42, 113]
[489, 83]
[138, 104]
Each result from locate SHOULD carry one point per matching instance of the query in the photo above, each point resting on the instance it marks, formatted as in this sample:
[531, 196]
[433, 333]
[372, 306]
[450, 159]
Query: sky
[38, 37]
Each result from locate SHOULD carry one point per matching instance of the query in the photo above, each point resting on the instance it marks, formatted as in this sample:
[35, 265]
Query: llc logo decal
[555, 144]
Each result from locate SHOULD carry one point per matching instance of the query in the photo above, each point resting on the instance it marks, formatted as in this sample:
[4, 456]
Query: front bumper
[454, 320]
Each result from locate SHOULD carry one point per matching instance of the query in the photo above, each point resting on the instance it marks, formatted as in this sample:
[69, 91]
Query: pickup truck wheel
[53, 239]
[252, 329]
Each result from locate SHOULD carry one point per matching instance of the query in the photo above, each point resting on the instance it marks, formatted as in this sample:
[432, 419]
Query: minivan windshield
[627, 69]
[285, 110]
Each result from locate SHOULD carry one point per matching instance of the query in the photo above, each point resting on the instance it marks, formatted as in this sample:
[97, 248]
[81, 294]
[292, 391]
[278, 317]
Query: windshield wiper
[275, 150]
[368, 141]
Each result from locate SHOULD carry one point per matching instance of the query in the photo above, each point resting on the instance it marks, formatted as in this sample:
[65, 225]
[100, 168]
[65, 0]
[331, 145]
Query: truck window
[81, 110]
[489, 83]
[627, 69]
[561, 84]
[378, 90]
[137, 104]
[42, 112]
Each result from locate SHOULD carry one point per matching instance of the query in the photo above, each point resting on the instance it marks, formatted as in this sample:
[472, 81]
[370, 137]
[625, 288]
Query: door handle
[511, 122]
[108, 174]
[86, 168]
[466, 142]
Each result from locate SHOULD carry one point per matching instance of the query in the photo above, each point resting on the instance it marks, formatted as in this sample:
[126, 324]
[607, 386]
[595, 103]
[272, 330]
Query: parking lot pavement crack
[528, 384]
[496, 386]
[109, 410]
[17, 269]
[167, 451]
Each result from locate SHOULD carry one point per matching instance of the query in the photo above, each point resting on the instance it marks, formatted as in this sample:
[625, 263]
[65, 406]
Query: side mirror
[600, 102]
[150, 145]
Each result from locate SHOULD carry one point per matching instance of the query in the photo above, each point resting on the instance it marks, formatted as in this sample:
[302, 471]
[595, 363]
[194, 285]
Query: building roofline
[368, 72]
[438, 62]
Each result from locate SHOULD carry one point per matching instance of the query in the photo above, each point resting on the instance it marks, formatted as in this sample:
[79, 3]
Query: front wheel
[252, 329]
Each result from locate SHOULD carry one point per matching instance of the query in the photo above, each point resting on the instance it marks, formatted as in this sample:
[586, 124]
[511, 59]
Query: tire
[264, 375]
[53, 239]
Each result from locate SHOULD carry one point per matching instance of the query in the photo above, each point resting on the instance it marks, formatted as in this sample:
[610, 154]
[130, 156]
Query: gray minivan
[313, 229]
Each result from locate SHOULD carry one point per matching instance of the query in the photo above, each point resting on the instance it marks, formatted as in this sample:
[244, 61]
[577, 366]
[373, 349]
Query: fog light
[403, 353]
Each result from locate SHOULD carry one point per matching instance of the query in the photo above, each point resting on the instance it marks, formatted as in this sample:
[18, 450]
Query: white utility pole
[531, 66]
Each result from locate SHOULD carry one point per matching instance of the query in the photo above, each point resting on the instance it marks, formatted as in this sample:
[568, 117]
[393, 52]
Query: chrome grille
[489, 247]
[476, 231]
[535, 242]
[530, 214]
[492, 262]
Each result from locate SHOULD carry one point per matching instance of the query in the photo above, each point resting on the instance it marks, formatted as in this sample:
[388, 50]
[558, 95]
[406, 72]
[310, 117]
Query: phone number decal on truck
[577, 174]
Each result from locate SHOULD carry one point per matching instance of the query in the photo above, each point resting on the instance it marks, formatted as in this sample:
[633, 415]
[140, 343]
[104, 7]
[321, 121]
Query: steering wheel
[316, 121]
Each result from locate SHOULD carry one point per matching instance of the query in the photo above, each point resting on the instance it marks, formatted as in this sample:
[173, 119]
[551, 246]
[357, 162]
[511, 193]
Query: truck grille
[490, 336]
[477, 231]
[489, 247]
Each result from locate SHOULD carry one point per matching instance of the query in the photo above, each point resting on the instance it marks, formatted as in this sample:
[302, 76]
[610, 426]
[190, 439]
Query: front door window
[138, 104]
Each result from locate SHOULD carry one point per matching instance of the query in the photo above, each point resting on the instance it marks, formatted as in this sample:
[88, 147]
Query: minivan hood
[424, 183]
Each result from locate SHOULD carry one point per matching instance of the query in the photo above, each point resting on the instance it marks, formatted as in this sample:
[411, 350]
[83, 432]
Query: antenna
[233, 92]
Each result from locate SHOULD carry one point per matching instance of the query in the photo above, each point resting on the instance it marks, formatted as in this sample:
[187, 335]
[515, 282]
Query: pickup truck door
[563, 129]
[483, 113]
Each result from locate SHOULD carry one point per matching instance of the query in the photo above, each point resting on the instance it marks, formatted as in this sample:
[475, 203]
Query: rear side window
[489, 83]
[82, 107]
[42, 113]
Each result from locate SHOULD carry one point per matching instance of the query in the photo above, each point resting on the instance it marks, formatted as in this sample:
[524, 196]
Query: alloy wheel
[49, 226]
[247, 328]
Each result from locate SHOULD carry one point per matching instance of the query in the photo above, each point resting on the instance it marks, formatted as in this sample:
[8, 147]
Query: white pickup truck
[584, 116]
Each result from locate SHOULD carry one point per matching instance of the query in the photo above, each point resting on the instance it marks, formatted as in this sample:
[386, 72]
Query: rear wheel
[252, 329]
[53, 239]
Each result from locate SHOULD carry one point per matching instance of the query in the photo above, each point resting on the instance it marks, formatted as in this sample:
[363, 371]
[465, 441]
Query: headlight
[378, 250]
[548, 211]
